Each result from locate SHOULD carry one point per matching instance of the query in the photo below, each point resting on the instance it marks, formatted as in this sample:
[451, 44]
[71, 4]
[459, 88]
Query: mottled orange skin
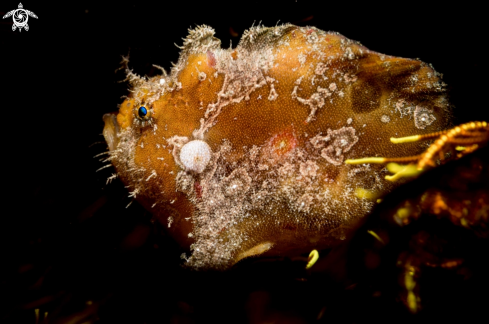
[366, 87]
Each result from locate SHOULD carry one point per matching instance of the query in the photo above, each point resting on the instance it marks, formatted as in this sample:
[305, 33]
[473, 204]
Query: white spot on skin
[195, 155]
[316, 100]
[312, 38]
[404, 108]
[305, 202]
[308, 169]
[320, 68]
[350, 79]
[273, 94]
[237, 183]
[423, 117]
[385, 119]
[202, 76]
[338, 142]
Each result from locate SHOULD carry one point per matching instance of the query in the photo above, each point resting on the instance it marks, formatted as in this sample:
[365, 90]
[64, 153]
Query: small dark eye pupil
[142, 112]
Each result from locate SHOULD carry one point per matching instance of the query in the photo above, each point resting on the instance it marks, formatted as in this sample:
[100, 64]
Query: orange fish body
[240, 152]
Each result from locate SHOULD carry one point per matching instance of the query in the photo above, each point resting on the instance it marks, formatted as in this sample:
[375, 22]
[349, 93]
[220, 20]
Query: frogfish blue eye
[142, 112]
[143, 115]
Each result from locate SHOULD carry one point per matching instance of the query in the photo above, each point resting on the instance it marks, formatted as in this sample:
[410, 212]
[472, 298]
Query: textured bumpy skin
[280, 114]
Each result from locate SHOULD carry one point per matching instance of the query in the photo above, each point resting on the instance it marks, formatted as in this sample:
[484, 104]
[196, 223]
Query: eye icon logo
[20, 17]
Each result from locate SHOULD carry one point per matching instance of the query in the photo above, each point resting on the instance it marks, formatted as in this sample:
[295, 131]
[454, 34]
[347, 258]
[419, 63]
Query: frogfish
[240, 152]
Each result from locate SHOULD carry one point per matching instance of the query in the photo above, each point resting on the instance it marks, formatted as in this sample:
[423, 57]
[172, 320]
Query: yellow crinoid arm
[379, 160]
[406, 139]
[399, 170]
[464, 138]
[402, 171]
[313, 257]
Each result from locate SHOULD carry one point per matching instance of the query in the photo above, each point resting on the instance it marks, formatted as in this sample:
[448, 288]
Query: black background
[66, 236]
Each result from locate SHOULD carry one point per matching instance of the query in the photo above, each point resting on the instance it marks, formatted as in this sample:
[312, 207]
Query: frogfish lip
[111, 130]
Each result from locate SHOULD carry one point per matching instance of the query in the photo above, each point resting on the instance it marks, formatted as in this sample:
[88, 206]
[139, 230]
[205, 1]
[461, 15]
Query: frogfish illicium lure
[240, 152]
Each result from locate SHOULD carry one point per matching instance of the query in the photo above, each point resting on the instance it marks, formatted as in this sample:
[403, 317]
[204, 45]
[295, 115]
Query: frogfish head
[240, 152]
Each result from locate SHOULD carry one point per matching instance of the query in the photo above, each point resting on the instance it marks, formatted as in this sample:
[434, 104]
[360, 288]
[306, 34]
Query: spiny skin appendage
[280, 114]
